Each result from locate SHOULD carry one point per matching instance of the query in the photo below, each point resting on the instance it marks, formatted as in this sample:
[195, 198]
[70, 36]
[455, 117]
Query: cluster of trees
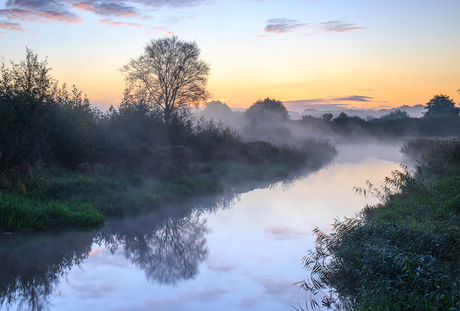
[151, 132]
[41, 121]
[440, 119]
[268, 120]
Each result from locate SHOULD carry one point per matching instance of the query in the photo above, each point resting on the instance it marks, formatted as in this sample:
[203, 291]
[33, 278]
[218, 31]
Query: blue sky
[362, 54]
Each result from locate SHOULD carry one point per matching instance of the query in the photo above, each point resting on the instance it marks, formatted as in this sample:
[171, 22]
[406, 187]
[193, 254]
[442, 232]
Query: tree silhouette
[269, 110]
[40, 121]
[441, 105]
[395, 114]
[168, 75]
[327, 116]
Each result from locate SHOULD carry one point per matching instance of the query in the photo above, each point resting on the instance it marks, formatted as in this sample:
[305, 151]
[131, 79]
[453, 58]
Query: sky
[338, 53]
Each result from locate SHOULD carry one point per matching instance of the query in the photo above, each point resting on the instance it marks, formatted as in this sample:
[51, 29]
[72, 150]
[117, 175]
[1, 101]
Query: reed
[401, 254]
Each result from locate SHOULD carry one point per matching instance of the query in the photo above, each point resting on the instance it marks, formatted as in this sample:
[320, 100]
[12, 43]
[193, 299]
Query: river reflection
[234, 251]
[167, 252]
[168, 246]
[30, 274]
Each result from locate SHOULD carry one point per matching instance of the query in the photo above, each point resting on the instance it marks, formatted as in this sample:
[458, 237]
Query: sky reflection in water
[242, 252]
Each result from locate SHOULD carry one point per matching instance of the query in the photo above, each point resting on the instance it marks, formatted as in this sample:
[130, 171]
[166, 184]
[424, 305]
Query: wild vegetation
[403, 253]
[64, 162]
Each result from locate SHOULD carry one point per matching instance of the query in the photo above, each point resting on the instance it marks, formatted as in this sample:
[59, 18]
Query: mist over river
[240, 251]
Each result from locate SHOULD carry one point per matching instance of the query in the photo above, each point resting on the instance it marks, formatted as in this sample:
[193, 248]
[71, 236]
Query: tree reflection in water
[30, 275]
[168, 246]
[172, 251]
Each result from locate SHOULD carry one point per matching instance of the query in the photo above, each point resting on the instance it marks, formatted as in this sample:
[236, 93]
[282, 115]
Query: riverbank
[36, 197]
[403, 253]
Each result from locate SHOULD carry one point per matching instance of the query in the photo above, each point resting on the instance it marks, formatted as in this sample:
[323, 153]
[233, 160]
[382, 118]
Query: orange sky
[379, 53]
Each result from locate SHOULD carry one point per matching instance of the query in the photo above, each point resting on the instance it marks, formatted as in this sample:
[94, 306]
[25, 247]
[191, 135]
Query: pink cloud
[106, 8]
[161, 30]
[11, 26]
[112, 23]
[338, 26]
[40, 16]
[282, 25]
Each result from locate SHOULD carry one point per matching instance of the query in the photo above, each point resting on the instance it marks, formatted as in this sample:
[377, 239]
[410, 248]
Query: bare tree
[168, 75]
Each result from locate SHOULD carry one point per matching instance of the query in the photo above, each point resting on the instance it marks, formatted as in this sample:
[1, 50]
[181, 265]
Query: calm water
[237, 252]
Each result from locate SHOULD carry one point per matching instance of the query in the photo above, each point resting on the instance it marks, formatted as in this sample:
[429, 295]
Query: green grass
[401, 254]
[35, 197]
[23, 213]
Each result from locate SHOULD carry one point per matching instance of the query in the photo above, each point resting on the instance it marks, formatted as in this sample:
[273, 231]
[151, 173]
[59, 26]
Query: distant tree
[267, 110]
[395, 114]
[218, 111]
[169, 74]
[441, 105]
[327, 116]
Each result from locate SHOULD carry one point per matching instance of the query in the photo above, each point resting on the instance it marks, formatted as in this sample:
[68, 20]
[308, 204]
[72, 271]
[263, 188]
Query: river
[240, 251]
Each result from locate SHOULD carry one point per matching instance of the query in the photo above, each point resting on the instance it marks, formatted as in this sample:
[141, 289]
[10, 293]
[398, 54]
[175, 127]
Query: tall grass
[22, 213]
[401, 254]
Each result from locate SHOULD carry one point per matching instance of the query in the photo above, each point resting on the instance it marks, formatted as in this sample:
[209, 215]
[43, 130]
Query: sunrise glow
[357, 54]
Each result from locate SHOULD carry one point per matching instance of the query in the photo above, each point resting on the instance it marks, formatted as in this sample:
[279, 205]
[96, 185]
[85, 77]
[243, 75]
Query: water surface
[235, 252]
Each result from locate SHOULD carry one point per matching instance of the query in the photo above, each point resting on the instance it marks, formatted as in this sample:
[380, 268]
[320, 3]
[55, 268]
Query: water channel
[240, 251]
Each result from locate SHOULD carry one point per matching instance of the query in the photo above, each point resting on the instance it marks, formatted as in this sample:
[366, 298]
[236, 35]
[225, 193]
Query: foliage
[327, 116]
[356, 128]
[395, 114]
[40, 121]
[61, 157]
[169, 75]
[267, 110]
[402, 254]
[441, 105]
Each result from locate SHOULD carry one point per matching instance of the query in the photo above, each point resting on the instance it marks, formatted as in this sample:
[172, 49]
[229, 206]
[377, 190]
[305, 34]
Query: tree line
[41, 121]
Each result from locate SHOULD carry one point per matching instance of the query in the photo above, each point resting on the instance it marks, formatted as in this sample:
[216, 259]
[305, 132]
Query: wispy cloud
[170, 3]
[332, 99]
[42, 11]
[106, 8]
[162, 30]
[39, 16]
[338, 26]
[11, 26]
[354, 98]
[282, 25]
[328, 103]
[110, 22]
[66, 11]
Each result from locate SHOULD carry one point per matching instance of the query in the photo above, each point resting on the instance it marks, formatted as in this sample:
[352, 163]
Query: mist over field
[346, 125]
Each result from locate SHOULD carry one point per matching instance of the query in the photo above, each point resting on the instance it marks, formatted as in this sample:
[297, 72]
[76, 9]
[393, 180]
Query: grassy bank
[36, 197]
[403, 253]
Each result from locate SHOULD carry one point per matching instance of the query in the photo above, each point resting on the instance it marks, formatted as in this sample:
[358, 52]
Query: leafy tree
[71, 125]
[327, 116]
[26, 89]
[441, 105]
[269, 110]
[38, 120]
[169, 75]
[395, 114]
